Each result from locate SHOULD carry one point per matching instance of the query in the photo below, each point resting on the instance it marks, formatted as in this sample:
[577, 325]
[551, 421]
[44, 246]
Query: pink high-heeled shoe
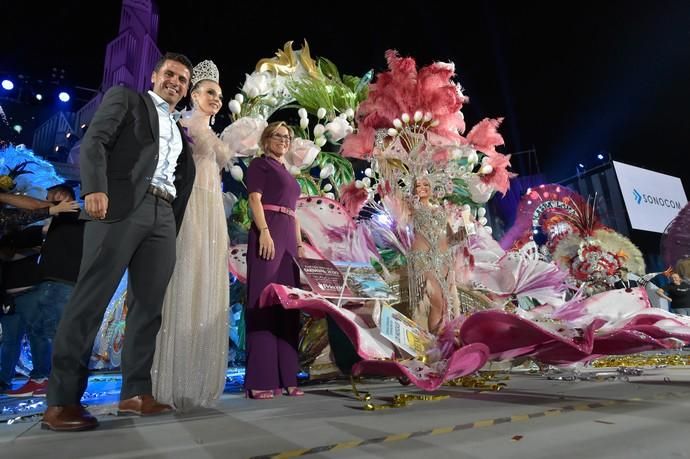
[259, 394]
[293, 391]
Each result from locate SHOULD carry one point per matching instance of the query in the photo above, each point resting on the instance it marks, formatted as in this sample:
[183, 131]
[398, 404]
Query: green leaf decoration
[240, 213]
[351, 82]
[329, 69]
[311, 94]
[392, 258]
[344, 172]
[308, 185]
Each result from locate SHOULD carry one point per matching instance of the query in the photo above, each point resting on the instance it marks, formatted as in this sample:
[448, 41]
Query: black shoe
[4, 386]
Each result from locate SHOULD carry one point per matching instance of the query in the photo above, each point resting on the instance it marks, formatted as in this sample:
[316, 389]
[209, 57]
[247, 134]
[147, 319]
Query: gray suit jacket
[119, 153]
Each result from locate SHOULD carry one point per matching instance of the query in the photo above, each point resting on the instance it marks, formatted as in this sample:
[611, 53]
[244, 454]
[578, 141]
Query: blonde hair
[270, 130]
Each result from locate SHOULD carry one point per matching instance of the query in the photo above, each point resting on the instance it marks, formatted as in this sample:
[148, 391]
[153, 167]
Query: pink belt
[281, 209]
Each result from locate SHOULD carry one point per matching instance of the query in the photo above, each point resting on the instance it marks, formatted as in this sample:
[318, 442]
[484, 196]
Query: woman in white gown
[190, 363]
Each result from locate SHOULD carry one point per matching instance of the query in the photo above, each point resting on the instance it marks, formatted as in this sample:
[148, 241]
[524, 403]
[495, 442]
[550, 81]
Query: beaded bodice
[430, 222]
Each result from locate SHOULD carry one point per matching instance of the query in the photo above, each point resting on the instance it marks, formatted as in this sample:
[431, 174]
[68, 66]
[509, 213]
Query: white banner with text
[652, 199]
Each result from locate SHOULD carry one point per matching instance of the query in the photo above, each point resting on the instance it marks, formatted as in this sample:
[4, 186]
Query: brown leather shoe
[142, 405]
[68, 418]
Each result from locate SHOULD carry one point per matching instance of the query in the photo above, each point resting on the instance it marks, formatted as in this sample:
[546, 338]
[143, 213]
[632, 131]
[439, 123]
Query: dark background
[572, 80]
[610, 77]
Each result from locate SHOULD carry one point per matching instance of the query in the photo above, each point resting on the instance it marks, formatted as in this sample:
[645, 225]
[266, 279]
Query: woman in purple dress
[274, 239]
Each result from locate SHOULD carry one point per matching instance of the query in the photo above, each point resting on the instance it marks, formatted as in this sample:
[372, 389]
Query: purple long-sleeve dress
[272, 332]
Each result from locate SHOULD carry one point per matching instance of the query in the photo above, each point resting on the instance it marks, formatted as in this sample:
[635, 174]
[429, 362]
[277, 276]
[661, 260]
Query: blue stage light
[63, 96]
[7, 85]
[39, 96]
[581, 166]
[600, 156]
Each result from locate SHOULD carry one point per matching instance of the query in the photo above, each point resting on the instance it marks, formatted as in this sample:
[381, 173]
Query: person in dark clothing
[678, 293]
[18, 273]
[623, 281]
[27, 210]
[38, 309]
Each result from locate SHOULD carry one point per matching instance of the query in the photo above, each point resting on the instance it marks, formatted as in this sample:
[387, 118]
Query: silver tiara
[205, 70]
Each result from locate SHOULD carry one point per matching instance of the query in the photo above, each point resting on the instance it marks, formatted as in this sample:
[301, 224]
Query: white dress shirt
[169, 145]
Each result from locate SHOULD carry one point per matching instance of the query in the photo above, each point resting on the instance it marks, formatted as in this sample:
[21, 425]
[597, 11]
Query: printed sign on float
[346, 280]
[651, 199]
[404, 332]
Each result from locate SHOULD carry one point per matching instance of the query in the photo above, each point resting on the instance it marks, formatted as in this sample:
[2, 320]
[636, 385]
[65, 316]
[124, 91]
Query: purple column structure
[129, 58]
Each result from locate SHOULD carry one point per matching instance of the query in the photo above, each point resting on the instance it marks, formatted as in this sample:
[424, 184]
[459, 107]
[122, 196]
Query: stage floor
[534, 416]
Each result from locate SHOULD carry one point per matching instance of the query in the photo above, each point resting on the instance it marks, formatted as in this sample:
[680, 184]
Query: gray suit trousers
[143, 243]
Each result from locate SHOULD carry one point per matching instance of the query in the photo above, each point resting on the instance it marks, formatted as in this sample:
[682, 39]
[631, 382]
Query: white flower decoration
[258, 84]
[302, 153]
[338, 129]
[237, 173]
[327, 171]
[234, 106]
[243, 135]
[319, 129]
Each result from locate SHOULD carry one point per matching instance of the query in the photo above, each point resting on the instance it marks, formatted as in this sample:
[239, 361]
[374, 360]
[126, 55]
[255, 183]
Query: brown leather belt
[161, 193]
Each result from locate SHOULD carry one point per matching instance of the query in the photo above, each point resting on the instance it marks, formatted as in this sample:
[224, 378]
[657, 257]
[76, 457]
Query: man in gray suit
[136, 174]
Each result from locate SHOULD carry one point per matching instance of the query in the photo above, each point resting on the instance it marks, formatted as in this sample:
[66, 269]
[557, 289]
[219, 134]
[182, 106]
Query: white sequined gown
[190, 363]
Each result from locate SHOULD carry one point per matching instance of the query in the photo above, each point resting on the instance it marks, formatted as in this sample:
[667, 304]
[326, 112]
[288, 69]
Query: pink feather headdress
[403, 89]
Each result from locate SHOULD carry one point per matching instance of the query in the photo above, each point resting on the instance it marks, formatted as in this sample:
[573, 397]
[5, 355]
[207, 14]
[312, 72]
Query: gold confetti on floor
[643, 360]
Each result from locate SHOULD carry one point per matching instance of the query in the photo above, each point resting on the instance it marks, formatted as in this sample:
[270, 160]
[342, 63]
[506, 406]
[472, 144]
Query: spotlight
[18, 128]
[581, 166]
[7, 85]
[63, 96]
[68, 135]
[600, 156]
[83, 126]
[39, 96]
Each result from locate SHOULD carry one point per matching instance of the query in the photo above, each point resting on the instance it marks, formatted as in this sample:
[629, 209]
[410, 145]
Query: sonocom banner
[652, 199]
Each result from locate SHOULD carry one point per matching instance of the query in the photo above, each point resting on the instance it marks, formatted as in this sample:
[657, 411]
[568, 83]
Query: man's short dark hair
[181, 58]
[66, 187]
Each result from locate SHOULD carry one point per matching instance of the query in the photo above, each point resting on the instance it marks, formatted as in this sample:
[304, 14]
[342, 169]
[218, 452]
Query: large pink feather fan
[436, 93]
[360, 144]
[404, 90]
[499, 178]
[401, 66]
[353, 198]
[484, 136]
[393, 93]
